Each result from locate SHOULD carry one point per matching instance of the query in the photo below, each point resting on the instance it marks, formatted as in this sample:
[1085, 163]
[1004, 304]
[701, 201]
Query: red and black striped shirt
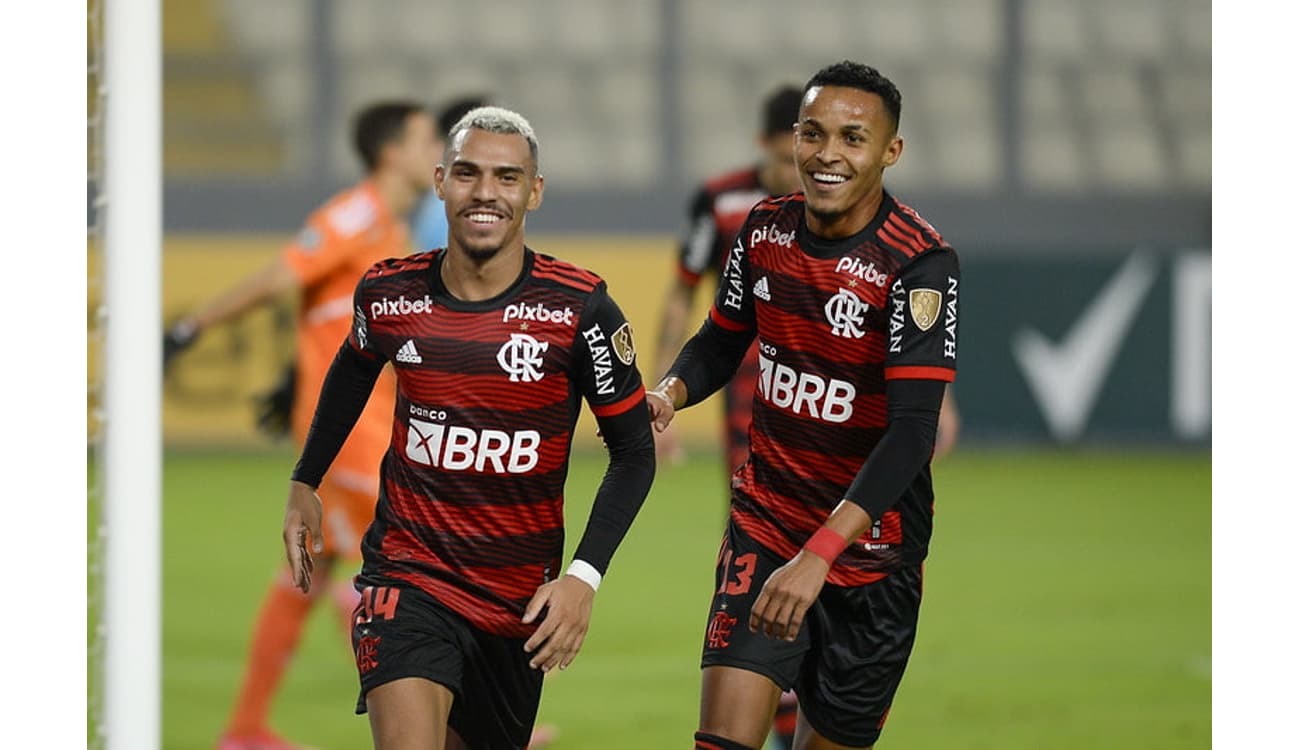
[471, 498]
[835, 320]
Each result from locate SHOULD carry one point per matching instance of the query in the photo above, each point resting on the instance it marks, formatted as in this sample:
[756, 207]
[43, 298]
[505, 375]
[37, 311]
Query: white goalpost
[131, 199]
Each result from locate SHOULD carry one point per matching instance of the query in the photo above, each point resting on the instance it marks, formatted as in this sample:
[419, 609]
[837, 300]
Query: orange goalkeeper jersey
[340, 241]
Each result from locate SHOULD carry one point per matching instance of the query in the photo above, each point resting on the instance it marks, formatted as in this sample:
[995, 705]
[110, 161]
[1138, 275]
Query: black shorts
[400, 631]
[848, 659]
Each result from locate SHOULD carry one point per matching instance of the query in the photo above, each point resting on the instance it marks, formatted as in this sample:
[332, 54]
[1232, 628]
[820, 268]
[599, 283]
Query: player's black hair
[458, 108]
[380, 124]
[781, 110]
[862, 77]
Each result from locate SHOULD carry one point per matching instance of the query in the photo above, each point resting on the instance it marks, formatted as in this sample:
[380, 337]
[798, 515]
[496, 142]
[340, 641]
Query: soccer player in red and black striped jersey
[853, 299]
[464, 601]
[717, 210]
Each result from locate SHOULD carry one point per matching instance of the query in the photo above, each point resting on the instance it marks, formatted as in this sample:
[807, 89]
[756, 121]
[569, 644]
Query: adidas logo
[409, 354]
[760, 290]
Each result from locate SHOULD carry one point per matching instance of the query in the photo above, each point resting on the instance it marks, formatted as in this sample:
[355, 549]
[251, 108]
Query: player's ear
[535, 196]
[893, 151]
[439, 173]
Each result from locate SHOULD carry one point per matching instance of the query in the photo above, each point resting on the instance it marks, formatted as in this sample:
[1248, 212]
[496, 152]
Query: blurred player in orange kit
[399, 145]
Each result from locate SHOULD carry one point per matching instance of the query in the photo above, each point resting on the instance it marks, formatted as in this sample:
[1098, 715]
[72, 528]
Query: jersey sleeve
[359, 338]
[698, 252]
[329, 238]
[605, 359]
[923, 308]
[733, 306]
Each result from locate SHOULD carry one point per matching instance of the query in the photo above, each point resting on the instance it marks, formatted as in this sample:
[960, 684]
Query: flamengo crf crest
[924, 305]
[846, 314]
[521, 358]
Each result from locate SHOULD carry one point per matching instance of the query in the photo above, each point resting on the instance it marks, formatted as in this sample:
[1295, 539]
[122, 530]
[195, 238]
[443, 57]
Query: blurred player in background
[465, 605]
[399, 147]
[853, 299]
[429, 224]
[717, 210]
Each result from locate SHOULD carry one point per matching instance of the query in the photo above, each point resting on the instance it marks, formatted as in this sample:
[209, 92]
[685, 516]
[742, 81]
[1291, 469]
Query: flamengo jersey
[472, 486]
[718, 210]
[835, 320]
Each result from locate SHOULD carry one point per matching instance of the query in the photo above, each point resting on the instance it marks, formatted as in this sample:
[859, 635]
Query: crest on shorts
[924, 305]
[622, 341]
[367, 653]
[719, 632]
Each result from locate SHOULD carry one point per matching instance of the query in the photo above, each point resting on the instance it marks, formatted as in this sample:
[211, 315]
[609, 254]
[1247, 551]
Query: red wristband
[826, 544]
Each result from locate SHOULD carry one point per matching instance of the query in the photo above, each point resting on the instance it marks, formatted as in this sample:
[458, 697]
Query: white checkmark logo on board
[1066, 377]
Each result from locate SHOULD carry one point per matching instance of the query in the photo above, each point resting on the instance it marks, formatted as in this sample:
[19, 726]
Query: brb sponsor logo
[830, 400]
[521, 358]
[455, 448]
[539, 313]
[867, 273]
[400, 306]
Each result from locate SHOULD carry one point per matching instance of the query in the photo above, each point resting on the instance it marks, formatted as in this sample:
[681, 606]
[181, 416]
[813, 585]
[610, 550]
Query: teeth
[484, 218]
[828, 177]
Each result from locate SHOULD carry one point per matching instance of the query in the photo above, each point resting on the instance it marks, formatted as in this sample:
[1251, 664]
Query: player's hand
[567, 602]
[661, 409]
[179, 337]
[302, 515]
[275, 406]
[786, 596]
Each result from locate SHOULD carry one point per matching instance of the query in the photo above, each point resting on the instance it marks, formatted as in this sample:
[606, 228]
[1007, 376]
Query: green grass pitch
[1067, 605]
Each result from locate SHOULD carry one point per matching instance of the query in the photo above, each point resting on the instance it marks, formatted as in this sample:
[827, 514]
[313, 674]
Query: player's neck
[472, 279]
[849, 223]
[397, 192]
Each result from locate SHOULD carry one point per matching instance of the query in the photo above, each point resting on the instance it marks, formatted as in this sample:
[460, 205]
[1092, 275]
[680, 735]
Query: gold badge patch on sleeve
[924, 304]
[622, 341]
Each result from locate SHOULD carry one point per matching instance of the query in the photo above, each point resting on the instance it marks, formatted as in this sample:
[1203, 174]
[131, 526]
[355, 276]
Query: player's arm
[348, 383]
[949, 425]
[710, 358]
[323, 244]
[916, 377]
[254, 290]
[617, 398]
[697, 254]
[699, 251]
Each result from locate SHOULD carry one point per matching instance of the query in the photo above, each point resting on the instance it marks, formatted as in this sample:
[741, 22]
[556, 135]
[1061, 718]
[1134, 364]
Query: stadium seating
[600, 78]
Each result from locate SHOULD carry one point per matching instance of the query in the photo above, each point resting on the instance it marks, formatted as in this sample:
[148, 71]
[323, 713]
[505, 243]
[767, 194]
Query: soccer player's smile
[827, 181]
[482, 217]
